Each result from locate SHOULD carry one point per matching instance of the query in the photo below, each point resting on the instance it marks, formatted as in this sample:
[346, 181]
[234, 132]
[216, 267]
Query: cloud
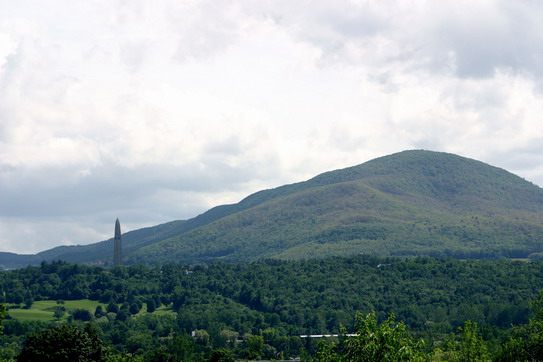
[465, 38]
[155, 111]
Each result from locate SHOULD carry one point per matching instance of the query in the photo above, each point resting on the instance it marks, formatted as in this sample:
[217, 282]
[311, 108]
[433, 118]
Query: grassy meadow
[43, 310]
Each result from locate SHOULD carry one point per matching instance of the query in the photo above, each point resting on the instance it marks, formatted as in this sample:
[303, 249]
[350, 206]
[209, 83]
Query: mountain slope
[413, 202]
[408, 203]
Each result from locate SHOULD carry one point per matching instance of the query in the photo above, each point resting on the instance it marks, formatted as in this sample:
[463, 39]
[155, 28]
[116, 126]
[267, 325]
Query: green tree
[82, 315]
[151, 305]
[112, 308]
[472, 347]
[467, 346]
[182, 348]
[326, 352]
[255, 347]
[526, 344]
[123, 315]
[28, 302]
[388, 341]
[99, 311]
[2, 316]
[222, 355]
[59, 312]
[134, 308]
[64, 343]
[201, 337]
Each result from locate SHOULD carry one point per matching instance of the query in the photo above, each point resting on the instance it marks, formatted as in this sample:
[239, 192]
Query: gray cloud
[114, 187]
[470, 39]
[154, 111]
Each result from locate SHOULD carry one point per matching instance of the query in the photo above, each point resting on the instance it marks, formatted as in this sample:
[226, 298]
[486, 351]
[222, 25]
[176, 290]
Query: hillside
[408, 203]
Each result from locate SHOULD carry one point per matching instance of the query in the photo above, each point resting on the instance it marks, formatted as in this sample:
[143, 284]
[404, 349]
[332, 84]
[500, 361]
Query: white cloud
[154, 111]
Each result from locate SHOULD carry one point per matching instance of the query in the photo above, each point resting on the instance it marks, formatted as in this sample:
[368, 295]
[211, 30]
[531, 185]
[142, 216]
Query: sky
[157, 110]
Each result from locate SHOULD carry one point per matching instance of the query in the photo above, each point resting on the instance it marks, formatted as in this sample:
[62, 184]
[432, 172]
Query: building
[117, 248]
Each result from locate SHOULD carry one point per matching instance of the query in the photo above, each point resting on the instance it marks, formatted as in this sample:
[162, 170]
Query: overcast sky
[158, 110]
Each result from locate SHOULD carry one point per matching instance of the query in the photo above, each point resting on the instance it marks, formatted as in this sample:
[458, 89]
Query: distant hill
[409, 203]
[101, 252]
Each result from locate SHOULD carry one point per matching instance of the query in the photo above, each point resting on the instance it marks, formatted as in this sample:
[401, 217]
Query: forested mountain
[413, 202]
[409, 203]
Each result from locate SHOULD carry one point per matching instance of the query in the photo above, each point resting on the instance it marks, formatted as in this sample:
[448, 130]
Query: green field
[43, 310]
[162, 310]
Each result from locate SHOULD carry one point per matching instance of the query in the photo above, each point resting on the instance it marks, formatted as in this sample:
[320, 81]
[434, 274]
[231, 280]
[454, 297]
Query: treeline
[305, 296]
[260, 309]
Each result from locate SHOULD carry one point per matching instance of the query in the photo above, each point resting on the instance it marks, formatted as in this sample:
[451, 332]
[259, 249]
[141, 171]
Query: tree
[64, 343]
[134, 308]
[123, 315]
[472, 347]
[59, 312]
[182, 348]
[527, 341]
[388, 341]
[255, 347]
[82, 315]
[201, 337]
[467, 346]
[28, 302]
[99, 311]
[151, 305]
[222, 355]
[2, 316]
[112, 308]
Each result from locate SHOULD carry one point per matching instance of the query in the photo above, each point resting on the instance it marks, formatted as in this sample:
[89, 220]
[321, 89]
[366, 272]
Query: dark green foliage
[151, 305]
[466, 346]
[255, 347]
[59, 312]
[2, 316]
[64, 343]
[123, 315]
[270, 303]
[82, 315]
[99, 312]
[526, 344]
[134, 308]
[222, 355]
[112, 308]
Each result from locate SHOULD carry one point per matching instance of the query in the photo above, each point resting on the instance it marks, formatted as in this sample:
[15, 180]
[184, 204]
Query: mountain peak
[408, 203]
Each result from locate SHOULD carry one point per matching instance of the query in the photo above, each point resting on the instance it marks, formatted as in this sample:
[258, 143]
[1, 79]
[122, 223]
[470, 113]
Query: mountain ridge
[408, 203]
[407, 189]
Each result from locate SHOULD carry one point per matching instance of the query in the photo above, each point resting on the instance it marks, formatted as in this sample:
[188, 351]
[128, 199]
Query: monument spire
[117, 251]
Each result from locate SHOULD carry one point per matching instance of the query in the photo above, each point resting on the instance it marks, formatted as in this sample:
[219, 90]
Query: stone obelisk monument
[118, 250]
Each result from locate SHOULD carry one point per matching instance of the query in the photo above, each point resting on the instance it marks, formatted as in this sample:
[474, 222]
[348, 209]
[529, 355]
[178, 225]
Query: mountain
[409, 203]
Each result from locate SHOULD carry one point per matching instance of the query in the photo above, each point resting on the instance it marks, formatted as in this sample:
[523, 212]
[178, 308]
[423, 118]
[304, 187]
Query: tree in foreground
[388, 341]
[64, 343]
[466, 346]
[526, 344]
